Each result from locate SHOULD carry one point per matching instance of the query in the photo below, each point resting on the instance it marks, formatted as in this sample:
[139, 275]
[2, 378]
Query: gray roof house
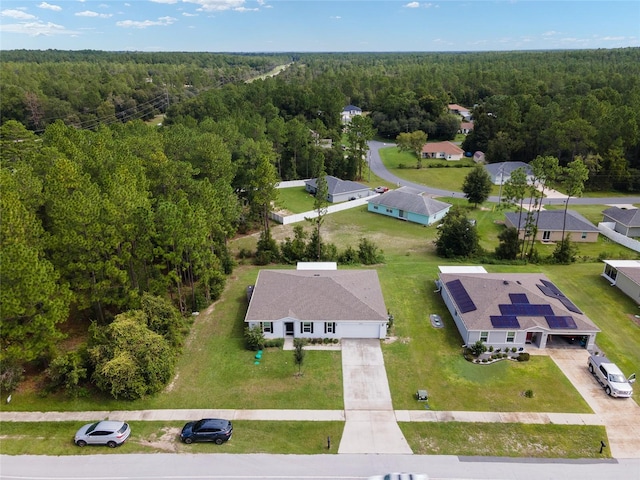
[409, 204]
[507, 310]
[627, 220]
[501, 172]
[339, 190]
[349, 112]
[550, 226]
[624, 274]
[318, 304]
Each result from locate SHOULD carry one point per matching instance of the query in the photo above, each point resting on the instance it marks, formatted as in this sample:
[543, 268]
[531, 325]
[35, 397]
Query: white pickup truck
[610, 376]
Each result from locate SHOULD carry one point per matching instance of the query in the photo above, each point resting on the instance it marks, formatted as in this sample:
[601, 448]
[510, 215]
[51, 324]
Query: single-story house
[466, 128]
[626, 220]
[318, 304]
[501, 172]
[456, 109]
[409, 204]
[550, 225]
[507, 310]
[349, 112]
[446, 150]
[339, 190]
[624, 274]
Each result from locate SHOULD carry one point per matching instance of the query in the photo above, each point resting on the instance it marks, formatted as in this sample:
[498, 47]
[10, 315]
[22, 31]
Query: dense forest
[104, 215]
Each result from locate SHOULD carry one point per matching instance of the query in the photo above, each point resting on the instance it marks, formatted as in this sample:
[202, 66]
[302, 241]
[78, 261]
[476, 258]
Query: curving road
[380, 170]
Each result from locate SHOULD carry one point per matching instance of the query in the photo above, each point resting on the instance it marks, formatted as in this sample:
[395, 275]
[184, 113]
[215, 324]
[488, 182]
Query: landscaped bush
[478, 348]
[274, 343]
[254, 338]
[523, 357]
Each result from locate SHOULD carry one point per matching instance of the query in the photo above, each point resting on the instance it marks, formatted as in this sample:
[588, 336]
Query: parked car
[107, 432]
[381, 189]
[610, 377]
[214, 430]
[400, 476]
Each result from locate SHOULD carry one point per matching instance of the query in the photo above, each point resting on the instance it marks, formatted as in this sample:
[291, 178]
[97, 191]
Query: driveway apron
[620, 416]
[371, 425]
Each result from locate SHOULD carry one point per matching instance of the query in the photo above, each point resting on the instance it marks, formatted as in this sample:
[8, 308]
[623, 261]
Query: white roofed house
[501, 172]
[318, 304]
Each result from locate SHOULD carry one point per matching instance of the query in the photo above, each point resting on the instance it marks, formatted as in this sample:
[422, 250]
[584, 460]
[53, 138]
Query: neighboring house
[456, 109]
[349, 112]
[624, 274]
[627, 221]
[318, 304]
[409, 204]
[339, 190]
[550, 225]
[321, 142]
[466, 128]
[507, 310]
[445, 150]
[501, 172]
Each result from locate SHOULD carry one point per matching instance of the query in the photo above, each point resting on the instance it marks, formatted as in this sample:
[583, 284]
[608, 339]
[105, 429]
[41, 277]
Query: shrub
[514, 350]
[349, 256]
[523, 357]
[369, 253]
[491, 348]
[478, 348]
[68, 371]
[274, 343]
[528, 393]
[254, 338]
[10, 376]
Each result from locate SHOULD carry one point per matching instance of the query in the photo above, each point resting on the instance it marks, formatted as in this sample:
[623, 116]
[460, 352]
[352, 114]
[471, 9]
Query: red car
[381, 189]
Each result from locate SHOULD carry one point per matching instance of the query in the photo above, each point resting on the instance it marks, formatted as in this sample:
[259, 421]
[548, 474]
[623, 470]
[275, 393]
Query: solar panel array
[526, 309]
[461, 296]
[550, 290]
[518, 298]
[504, 321]
[558, 322]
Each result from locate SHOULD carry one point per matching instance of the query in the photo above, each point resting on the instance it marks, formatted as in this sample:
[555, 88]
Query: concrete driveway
[371, 425]
[620, 416]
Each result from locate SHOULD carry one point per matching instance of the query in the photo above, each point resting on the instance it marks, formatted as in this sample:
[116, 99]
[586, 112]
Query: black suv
[207, 430]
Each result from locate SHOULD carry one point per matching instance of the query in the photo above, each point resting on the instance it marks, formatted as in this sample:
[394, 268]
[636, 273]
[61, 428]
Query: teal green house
[409, 204]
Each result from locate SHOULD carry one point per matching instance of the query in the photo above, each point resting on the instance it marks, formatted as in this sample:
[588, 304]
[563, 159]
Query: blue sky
[318, 25]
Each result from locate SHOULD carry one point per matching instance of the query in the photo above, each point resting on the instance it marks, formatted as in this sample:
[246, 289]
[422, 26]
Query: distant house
[321, 142]
[466, 128]
[444, 150]
[501, 172]
[409, 204]
[627, 221]
[456, 109]
[624, 274]
[514, 310]
[349, 112]
[339, 190]
[318, 304]
[550, 225]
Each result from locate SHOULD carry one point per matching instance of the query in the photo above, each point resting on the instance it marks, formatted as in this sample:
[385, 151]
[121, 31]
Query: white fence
[607, 229]
[299, 217]
[291, 183]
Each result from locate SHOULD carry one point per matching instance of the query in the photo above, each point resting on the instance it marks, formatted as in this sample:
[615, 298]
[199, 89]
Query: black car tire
[81, 443]
[607, 391]
[112, 444]
[591, 368]
[188, 440]
[219, 441]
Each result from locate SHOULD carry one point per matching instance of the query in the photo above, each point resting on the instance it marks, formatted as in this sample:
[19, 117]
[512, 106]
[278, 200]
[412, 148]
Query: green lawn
[295, 199]
[56, 438]
[505, 440]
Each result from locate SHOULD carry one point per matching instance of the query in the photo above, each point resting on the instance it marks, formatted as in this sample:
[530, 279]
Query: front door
[288, 329]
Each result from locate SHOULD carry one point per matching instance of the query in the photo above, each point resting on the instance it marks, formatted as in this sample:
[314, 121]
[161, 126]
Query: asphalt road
[380, 170]
[305, 467]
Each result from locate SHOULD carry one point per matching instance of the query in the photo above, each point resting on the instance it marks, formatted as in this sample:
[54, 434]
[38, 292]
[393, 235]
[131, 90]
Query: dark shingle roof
[490, 290]
[337, 186]
[410, 200]
[553, 219]
[331, 295]
[627, 217]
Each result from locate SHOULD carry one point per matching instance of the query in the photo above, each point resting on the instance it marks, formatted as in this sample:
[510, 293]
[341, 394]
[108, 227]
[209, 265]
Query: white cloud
[165, 1]
[412, 5]
[89, 13]
[613, 39]
[35, 29]
[217, 5]
[161, 22]
[185, 14]
[48, 6]
[17, 14]
[337, 17]
[550, 33]
[245, 9]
